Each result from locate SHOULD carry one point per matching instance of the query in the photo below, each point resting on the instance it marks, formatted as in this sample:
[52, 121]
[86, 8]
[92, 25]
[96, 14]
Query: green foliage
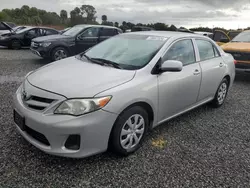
[85, 14]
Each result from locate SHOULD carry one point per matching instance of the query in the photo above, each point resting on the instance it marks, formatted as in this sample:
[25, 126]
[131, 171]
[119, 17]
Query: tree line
[85, 14]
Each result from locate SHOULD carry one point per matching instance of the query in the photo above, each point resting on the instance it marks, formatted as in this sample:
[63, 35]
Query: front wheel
[59, 53]
[221, 94]
[129, 131]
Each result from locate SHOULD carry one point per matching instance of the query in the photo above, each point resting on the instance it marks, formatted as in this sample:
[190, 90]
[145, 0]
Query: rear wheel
[59, 53]
[221, 94]
[15, 44]
[129, 131]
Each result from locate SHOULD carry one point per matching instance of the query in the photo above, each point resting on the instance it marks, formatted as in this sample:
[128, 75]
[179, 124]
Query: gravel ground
[203, 148]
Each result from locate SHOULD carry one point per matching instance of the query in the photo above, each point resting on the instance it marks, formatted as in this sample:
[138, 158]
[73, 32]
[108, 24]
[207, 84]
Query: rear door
[87, 39]
[106, 33]
[212, 66]
[220, 37]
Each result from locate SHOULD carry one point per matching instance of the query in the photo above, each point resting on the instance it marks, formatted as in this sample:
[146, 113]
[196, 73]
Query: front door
[179, 90]
[29, 35]
[87, 39]
[212, 66]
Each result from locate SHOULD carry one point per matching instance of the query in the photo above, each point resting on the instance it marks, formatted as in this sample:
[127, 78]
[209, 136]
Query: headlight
[78, 107]
[3, 37]
[46, 44]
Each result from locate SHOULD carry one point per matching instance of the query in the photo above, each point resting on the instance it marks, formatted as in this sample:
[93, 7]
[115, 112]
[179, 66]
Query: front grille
[38, 136]
[37, 103]
[240, 56]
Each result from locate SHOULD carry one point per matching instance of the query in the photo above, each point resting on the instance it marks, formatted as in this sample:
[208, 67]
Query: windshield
[73, 31]
[18, 28]
[242, 37]
[23, 30]
[129, 51]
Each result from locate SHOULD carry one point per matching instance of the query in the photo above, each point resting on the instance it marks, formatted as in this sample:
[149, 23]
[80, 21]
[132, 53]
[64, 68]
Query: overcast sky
[188, 13]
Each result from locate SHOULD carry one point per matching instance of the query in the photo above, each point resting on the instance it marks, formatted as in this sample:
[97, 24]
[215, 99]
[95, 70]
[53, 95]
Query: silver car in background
[112, 94]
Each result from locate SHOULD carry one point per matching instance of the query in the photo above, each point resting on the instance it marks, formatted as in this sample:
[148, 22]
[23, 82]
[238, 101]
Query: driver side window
[182, 51]
[91, 32]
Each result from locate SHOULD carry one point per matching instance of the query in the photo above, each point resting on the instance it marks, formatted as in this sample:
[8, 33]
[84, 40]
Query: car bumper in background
[35, 52]
[41, 52]
[50, 132]
[242, 66]
[4, 42]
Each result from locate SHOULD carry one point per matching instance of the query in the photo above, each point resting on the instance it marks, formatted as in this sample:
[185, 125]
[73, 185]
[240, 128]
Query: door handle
[221, 64]
[196, 72]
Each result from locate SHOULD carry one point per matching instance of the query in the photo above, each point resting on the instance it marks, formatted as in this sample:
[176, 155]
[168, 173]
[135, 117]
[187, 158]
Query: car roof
[167, 34]
[106, 26]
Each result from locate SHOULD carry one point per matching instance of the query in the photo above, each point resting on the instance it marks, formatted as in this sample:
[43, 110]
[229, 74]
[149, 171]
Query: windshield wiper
[108, 62]
[92, 60]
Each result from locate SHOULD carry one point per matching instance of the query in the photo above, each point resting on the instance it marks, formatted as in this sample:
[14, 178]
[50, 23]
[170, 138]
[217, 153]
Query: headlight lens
[46, 44]
[3, 37]
[78, 107]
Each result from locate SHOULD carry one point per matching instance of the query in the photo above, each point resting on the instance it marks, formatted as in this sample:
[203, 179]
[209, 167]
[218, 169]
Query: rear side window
[206, 49]
[108, 32]
[182, 51]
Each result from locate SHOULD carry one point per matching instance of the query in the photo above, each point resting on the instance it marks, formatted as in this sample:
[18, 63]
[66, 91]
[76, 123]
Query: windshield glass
[18, 28]
[23, 30]
[242, 37]
[129, 51]
[73, 31]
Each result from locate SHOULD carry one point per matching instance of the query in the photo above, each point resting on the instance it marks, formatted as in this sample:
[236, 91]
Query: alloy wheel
[60, 54]
[222, 93]
[132, 132]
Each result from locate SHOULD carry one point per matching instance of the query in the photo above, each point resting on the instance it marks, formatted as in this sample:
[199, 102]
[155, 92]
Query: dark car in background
[141, 28]
[14, 29]
[74, 41]
[23, 37]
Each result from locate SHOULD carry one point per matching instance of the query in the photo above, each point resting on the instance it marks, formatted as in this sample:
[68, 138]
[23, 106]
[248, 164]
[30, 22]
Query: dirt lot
[203, 148]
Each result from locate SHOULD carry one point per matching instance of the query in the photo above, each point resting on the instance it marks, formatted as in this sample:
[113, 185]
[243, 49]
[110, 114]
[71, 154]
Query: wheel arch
[228, 79]
[146, 106]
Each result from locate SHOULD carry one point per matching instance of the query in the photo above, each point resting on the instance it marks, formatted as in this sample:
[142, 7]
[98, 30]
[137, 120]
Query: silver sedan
[112, 94]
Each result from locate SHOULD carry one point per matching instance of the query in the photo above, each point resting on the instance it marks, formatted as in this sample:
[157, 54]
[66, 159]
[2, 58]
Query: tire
[15, 45]
[127, 144]
[59, 53]
[221, 94]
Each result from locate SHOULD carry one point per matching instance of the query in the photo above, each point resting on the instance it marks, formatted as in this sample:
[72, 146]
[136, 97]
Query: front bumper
[94, 130]
[243, 66]
[41, 52]
[4, 42]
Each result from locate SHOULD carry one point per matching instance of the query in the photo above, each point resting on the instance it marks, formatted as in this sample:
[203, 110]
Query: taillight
[235, 61]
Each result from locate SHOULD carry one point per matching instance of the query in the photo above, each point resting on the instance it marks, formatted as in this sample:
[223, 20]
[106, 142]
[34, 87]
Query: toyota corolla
[112, 94]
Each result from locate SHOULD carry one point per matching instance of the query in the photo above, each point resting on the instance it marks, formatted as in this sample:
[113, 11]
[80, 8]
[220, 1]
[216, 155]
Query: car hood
[52, 38]
[4, 32]
[236, 46]
[7, 26]
[74, 78]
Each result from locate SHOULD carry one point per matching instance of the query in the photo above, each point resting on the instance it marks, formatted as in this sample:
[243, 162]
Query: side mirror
[171, 66]
[224, 40]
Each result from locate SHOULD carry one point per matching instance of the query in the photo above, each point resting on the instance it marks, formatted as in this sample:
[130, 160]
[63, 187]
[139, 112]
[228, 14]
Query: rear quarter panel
[230, 66]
